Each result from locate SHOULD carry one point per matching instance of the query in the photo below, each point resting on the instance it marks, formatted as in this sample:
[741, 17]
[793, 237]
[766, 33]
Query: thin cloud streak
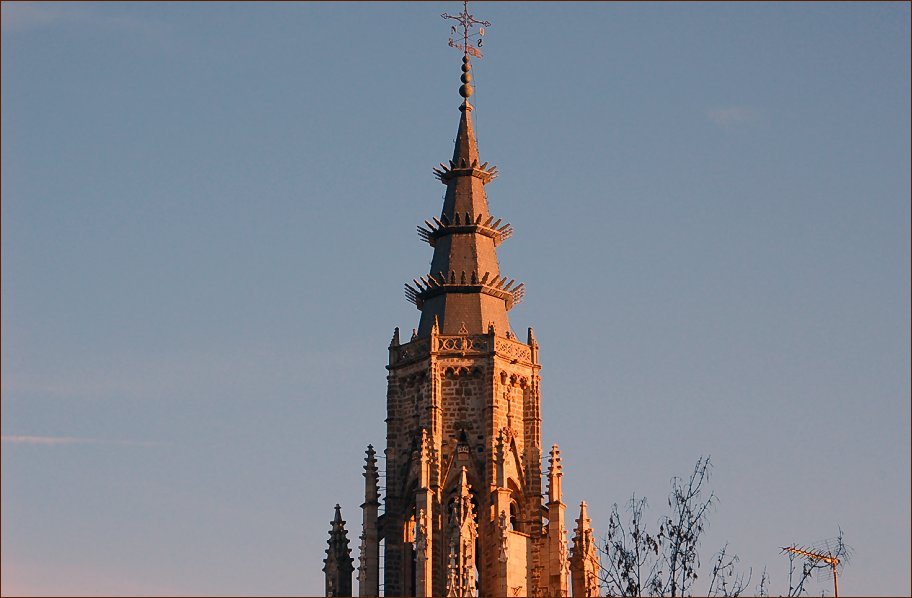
[29, 16]
[732, 115]
[69, 440]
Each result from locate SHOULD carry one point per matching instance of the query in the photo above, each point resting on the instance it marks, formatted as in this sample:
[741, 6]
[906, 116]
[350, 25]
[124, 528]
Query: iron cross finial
[468, 46]
[467, 21]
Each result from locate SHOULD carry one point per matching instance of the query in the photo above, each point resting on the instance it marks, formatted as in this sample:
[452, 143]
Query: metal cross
[466, 21]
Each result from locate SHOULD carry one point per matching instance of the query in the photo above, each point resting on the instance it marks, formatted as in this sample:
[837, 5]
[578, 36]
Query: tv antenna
[831, 554]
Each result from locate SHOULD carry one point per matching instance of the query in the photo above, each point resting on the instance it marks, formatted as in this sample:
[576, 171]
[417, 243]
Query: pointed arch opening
[517, 507]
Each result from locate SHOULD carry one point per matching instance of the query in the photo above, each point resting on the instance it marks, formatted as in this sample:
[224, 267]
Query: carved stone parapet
[474, 344]
[513, 350]
[460, 345]
[410, 351]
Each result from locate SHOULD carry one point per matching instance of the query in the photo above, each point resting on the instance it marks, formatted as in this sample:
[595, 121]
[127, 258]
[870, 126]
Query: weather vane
[467, 21]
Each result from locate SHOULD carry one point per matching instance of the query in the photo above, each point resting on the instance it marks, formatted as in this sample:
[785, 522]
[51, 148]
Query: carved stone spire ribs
[432, 285]
[465, 224]
[462, 167]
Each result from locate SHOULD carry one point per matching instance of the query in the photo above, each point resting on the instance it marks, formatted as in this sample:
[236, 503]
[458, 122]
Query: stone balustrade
[460, 345]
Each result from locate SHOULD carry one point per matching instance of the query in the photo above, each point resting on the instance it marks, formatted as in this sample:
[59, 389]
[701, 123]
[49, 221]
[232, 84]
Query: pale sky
[209, 211]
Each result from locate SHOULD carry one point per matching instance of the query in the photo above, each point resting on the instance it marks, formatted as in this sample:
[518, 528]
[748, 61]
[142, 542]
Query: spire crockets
[338, 564]
[463, 532]
[369, 567]
[584, 560]
[464, 289]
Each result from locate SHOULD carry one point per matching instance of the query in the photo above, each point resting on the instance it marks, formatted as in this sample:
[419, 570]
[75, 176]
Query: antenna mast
[827, 558]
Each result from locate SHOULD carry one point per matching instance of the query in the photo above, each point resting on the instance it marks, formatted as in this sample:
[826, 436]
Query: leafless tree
[631, 552]
[637, 562]
[679, 534]
[725, 580]
[763, 586]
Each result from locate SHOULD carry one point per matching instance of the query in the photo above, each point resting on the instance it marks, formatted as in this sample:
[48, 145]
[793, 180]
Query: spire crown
[464, 290]
[554, 460]
[555, 473]
[470, 44]
[583, 523]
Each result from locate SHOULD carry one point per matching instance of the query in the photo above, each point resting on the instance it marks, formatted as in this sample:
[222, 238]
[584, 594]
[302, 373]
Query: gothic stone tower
[464, 509]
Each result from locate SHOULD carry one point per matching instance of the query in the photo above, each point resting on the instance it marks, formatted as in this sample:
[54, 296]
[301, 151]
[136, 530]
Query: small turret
[584, 560]
[557, 541]
[338, 564]
[463, 532]
[369, 566]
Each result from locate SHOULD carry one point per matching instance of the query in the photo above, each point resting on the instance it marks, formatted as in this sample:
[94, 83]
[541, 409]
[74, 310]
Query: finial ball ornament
[465, 90]
[466, 78]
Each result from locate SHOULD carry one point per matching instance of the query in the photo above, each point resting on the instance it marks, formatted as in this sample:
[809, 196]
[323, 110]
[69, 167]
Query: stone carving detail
[503, 526]
[421, 534]
[463, 532]
[414, 349]
[514, 350]
[362, 567]
[462, 344]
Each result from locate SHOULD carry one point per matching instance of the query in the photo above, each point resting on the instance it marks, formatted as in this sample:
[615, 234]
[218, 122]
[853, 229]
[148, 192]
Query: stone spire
[369, 566]
[464, 289]
[584, 560]
[463, 532]
[338, 564]
[424, 509]
[557, 542]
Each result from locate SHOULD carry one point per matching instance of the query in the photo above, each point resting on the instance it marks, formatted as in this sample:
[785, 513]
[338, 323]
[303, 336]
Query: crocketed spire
[584, 560]
[338, 564]
[464, 290]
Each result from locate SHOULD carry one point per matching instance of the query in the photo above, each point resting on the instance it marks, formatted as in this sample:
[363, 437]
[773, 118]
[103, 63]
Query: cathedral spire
[464, 290]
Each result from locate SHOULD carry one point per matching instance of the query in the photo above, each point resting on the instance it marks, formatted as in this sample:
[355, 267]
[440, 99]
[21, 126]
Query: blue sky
[209, 210]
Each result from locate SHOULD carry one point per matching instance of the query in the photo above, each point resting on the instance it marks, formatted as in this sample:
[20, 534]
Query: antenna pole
[828, 558]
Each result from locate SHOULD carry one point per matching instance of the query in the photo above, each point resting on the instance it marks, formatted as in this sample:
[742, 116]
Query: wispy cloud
[45, 440]
[25, 16]
[65, 440]
[728, 116]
